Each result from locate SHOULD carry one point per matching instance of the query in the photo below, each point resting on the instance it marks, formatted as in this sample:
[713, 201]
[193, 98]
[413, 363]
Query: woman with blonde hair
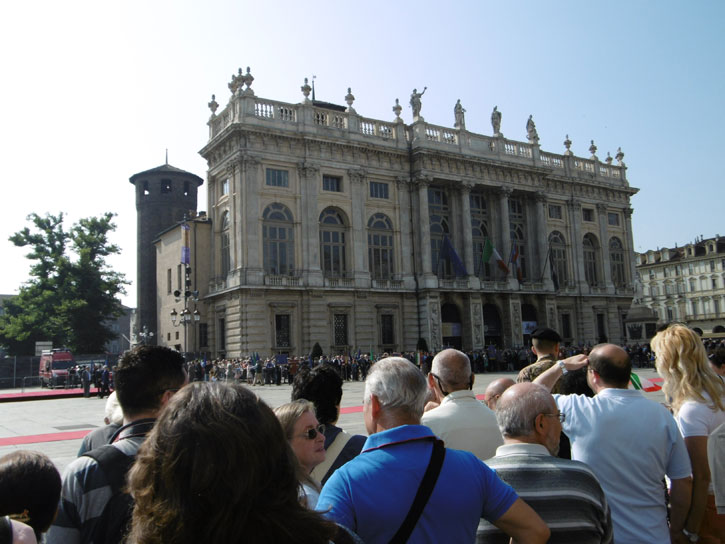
[216, 467]
[306, 437]
[697, 397]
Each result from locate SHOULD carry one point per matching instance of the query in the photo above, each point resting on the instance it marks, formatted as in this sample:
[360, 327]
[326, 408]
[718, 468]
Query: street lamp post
[145, 334]
[186, 317]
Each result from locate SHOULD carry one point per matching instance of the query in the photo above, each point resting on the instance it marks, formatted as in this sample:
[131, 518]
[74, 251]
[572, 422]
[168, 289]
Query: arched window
[279, 243]
[332, 243]
[591, 260]
[225, 251]
[517, 223]
[559, 265]
[479, 229]
[380, 246]
[616, 259]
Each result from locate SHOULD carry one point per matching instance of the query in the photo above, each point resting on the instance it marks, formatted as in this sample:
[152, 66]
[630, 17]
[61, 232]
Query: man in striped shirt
[565, 493]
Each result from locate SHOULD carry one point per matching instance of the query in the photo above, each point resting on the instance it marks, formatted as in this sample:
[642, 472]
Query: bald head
[495, 389]
[518, 412]
[453, 369]
[612, 364]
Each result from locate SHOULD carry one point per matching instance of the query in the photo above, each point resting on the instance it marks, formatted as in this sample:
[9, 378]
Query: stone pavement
[57, 426]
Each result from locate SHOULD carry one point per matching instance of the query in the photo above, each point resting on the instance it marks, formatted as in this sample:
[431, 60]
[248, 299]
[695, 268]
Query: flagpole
[546, 260]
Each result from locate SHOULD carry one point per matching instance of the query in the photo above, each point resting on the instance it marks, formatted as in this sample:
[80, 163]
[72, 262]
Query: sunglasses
[311, 434]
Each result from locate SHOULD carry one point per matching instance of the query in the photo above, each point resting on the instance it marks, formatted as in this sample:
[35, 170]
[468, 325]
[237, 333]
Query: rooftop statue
[415, 102]
[458, 112]
[496, 121]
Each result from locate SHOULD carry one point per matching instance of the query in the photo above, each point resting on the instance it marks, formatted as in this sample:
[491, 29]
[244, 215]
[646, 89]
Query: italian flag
[490, 251]
[643, 384]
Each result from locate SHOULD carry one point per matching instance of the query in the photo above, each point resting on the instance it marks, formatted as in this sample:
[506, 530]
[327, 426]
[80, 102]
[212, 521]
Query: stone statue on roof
[531, 133]
[458, 112]
[496, 121]
[415, 102]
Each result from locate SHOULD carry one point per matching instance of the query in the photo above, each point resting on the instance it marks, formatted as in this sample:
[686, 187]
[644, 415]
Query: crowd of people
[566, 452]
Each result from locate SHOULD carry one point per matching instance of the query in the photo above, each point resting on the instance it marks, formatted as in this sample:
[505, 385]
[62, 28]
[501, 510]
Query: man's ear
[473, 379]
[375, 407]
[431, 382]
[533, 350]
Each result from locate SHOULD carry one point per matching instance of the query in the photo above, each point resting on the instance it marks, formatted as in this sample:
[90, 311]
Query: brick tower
[164, 196]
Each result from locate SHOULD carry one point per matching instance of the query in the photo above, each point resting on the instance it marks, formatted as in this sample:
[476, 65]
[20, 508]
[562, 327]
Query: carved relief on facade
[434, 321]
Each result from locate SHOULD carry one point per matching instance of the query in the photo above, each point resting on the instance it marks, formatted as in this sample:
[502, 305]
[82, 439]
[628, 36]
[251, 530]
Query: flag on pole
[448, 252]
[643, 384]
[514, 260]
[185, 244]
[490, 251]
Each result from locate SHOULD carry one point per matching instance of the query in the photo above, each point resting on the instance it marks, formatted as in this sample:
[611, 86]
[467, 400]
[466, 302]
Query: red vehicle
[54, 366]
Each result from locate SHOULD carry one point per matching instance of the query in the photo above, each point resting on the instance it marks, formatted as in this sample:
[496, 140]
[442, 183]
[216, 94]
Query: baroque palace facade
[363, 234]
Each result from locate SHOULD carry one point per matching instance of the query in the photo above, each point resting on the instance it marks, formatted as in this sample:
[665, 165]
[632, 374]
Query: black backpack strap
[6, 530]
[114, 464]
[424, 492]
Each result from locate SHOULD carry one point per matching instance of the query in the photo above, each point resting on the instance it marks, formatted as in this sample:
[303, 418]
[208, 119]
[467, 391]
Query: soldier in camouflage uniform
[545, 345]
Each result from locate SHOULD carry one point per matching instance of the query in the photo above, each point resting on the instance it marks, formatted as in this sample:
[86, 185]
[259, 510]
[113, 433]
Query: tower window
[165, 185]
[145, 188]
[186, 188]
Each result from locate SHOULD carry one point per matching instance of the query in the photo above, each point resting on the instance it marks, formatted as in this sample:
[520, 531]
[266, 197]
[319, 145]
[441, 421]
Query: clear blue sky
[93, 92]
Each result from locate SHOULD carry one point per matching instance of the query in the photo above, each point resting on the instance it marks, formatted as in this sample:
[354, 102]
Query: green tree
[66, 300]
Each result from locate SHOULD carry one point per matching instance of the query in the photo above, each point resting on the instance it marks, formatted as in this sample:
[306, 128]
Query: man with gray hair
[405, 486]
[460, 419]
[566, 494]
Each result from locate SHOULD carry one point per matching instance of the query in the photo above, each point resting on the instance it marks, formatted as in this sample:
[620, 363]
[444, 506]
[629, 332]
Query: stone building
[164, 196]
[686, 284]
[360, 233]
[182, 318]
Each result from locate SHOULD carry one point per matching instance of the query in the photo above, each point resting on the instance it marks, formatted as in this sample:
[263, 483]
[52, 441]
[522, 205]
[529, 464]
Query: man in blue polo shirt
[373, 493]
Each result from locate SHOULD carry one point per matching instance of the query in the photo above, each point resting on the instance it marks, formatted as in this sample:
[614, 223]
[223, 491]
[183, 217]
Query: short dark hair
[614, 372]
[542, 344]
[323, 387]
[717, 357]
[29, 482]
[142, 376]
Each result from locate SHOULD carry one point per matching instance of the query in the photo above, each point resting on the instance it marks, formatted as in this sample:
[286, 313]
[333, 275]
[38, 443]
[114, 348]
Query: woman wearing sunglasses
[305, 436]
[698, 403]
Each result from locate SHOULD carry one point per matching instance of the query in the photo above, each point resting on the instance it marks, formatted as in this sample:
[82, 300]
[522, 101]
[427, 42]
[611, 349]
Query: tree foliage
[71, 292]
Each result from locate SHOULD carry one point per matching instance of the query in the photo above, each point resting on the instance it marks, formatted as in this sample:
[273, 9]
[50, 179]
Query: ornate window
[479, 229]
[616, 260]
[559, 265]
[277, 178]
[517, 223]
[438, 210]
[591, 260]
[387, 330]
[225, 250]
[380, 247]
[332, 243]
[339, 329]
[282, 331]
[278, 236]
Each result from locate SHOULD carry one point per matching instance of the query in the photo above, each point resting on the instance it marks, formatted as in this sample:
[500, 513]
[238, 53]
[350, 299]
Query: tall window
[616, 260]
[557, 246]
[378, 189]
[517, 223]
[282, 331]
[387, 330]
[278, 236]
[332, 243]
[203, 335]
[225, 187]
[225, 251]
[438, 210]
[591, 264]
[339, 329]
[479, 229]
[380, 246]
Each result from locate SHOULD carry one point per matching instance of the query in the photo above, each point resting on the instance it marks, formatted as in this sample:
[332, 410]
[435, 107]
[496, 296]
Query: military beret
[544, 333]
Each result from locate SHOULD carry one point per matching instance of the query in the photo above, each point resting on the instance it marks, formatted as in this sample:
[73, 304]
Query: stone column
[542, 241]
[357, 184]
[504, 242]
[251, 212]
[465, 194]
[309, 219]
[403, 241]
[604, 237]
[629, 243]
[424, 228]
[237, 228]
[574, 207]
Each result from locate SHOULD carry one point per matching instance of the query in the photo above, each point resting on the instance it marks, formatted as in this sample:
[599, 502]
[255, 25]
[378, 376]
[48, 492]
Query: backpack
[115, 520]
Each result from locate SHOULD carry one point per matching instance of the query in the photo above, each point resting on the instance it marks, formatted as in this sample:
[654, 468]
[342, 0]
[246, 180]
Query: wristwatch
[692, 537]
[562, 366]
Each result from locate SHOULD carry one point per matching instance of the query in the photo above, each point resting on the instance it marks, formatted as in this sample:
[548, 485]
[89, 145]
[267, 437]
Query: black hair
[143, 374]
[323, 387]
[29, 489]
[614, 372]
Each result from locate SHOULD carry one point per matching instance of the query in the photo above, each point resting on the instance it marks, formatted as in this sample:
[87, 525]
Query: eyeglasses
[440, 386]
[311, 434]
[560, 415]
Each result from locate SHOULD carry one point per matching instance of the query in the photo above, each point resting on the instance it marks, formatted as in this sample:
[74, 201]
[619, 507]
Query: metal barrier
[29, 378]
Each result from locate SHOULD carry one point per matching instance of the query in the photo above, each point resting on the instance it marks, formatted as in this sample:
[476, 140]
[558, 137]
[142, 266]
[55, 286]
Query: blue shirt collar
[397, 435]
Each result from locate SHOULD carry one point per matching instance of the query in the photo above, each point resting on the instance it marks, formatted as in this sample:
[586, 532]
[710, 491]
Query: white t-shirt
[698, 419]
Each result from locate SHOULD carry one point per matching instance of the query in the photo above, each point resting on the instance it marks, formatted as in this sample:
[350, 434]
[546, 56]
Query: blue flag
[449, 253]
